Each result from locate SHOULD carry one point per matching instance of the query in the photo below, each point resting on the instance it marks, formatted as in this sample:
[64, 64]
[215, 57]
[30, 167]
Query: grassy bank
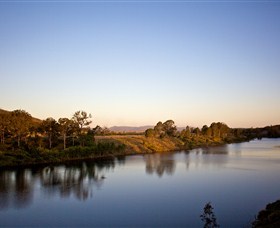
[142, 144]
[104, 146]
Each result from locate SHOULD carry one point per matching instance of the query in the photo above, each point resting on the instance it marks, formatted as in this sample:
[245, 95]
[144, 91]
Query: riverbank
[142, 144]
[104, 147]
[39, 156]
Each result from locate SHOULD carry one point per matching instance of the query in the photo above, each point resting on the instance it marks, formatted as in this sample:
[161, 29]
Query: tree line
[18, 128]
[217, 132]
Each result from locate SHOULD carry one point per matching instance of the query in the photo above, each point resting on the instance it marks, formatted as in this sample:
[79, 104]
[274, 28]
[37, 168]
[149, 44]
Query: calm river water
[158, 190]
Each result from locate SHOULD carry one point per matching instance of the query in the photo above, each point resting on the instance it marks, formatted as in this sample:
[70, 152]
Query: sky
[135, 63]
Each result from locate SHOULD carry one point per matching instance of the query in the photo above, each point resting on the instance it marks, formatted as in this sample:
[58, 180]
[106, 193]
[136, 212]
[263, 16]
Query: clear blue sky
[136, 63]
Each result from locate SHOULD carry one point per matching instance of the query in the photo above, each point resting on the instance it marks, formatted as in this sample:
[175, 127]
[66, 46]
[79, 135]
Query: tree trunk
[64, 141]
[82, 141]
[3, 137]
[50, 141]
[18, 141]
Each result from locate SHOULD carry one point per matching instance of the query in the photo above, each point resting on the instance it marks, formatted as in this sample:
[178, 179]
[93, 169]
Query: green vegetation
[26, 140]
[215, 134]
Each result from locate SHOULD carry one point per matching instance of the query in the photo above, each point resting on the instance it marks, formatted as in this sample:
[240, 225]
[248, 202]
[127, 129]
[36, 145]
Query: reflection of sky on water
[167, 189]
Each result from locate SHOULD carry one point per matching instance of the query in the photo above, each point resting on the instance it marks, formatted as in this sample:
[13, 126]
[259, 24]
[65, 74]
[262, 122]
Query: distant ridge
[130, 128]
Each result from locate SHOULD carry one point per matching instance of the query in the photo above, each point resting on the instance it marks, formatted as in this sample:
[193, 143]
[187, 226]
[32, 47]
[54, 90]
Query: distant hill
[129, 128]
[35, 120]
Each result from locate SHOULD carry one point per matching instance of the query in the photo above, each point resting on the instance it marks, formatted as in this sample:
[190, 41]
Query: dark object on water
[268, 218]
[208, 217]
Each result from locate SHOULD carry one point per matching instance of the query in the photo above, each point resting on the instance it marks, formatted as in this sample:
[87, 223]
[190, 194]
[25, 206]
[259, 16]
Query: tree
[186, 133]
[215, 130]
[159, 130]
[65, 127]
[97, 130]
[50, 127]
[196, 131]
[224, 130]
[35, 136]
[74, 131]
[163, 129]
[170, 128]
[81, 118]
[206, 131]
[208, 217]
[4, 123]
[20, 123]
[150, 132]
[219, 130]
[106, 131]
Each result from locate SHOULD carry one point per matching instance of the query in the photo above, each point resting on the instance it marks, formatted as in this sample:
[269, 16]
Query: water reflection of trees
[78, 180]
[19, 182]
[166, 163]
[215, 150]
[160, 164]
[208, 156]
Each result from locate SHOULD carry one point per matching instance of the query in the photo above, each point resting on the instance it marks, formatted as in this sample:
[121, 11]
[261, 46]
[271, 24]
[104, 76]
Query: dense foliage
[216, 133]
[18, 126]
[25, 140]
